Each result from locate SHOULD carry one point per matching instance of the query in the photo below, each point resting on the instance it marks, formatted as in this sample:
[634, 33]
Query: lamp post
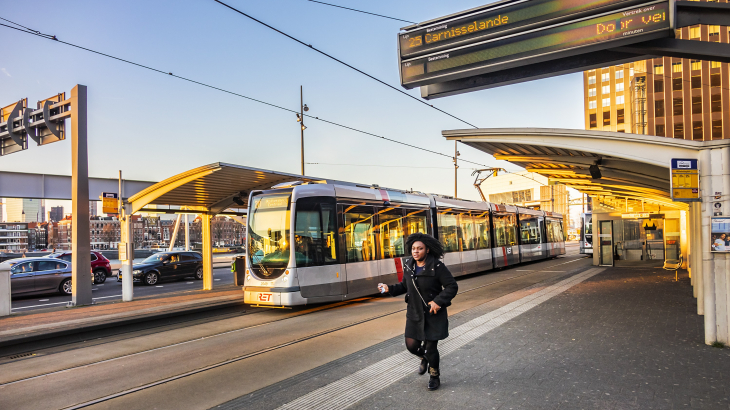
[300, 118]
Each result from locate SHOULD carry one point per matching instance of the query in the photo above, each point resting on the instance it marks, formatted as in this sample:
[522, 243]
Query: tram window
[481, 225]
[549, 231]
[314, 232]
[268, 234]
[415, 221]
[468, 239]
[359, 233]
[449, 231]
[554, 231]
[530, 231]
[504, 230]
[391, 233]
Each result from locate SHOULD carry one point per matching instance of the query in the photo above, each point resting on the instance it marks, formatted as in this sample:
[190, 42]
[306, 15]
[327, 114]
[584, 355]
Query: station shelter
[207, 191]
[635, 221]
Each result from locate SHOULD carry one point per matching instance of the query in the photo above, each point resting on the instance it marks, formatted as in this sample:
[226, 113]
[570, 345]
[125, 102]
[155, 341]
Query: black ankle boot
[434, 382]
[423, 366]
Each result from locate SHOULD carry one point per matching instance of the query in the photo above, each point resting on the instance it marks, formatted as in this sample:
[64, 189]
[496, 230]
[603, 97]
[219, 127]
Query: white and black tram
[324, 242]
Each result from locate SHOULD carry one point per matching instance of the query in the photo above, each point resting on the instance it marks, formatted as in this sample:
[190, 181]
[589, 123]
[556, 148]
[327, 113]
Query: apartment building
[13, 237]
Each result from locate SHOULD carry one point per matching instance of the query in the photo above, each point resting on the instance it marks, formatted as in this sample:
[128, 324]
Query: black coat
[436, 284]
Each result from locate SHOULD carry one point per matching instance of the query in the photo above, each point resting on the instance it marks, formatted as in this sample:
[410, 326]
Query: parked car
[30, 276]
[100, 266]
[167, 266]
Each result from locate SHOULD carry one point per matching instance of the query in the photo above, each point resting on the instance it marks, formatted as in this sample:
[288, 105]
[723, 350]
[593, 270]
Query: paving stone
[624, 339]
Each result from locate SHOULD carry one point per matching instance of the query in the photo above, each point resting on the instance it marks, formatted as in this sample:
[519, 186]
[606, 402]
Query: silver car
[30, 276]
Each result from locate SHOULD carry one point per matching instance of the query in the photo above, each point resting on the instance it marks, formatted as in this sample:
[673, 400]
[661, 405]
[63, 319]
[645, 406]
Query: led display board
[617, 27]
[497, 19]
[685, 180]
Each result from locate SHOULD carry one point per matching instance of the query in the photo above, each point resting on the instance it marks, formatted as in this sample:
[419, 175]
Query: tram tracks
[255, 353]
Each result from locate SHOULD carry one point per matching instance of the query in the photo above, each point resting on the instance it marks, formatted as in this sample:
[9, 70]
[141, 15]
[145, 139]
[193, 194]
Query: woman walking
[429, 288]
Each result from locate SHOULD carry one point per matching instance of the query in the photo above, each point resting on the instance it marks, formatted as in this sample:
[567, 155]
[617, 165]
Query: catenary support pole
[205, 220]
[456, 170]
[301, 116]
[126, 253]
[80, 240]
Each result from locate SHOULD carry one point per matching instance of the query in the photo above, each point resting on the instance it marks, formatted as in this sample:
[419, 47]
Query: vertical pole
[301, 115]
[456, 168]
[127, 258]
[80, 241]
[207, 252]
[552, 198]
[699, 268]
[187, 232]
[708, 266]
[173, 238]
[722, 282]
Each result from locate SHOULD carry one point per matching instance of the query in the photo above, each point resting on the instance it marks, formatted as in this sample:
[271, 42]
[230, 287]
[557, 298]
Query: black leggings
[429, 349]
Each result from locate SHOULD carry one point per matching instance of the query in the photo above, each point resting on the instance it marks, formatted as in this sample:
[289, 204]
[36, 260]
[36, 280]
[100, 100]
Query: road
[111, 289]
[230, 354]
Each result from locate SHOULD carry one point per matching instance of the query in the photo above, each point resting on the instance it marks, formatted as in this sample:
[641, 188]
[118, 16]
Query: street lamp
[300, 118]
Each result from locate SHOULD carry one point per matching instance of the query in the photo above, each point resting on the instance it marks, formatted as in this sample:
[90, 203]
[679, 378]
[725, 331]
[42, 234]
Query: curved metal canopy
[631, 166]
[212, 188]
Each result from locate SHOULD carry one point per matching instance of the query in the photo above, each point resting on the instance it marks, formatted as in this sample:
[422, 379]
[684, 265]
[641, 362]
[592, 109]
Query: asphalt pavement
[111, 289]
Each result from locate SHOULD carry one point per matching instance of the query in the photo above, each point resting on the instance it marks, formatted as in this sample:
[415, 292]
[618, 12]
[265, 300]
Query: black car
[167, 266]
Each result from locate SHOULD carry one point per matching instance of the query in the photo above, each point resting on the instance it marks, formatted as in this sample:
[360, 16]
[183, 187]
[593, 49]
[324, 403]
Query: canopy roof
[212, 188]
[631, 166]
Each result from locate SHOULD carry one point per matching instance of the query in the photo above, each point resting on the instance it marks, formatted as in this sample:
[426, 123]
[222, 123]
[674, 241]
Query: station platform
[601, 338]
[57, 321]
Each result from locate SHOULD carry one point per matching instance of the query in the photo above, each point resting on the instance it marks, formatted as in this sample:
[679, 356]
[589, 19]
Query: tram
[332, 241]
[586, 233]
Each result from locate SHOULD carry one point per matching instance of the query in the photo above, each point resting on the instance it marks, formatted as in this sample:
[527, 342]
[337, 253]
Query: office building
[56, 213]
[526, 189]
[25, 210]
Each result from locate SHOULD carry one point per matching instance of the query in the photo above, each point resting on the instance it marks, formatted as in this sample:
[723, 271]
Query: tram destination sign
[550, 41]
[497, 19]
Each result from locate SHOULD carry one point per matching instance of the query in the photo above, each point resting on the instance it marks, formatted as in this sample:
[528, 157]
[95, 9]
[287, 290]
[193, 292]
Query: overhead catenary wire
[342, 62]
[169, 73]
[376, 165]
[361, 11]
[29, 29]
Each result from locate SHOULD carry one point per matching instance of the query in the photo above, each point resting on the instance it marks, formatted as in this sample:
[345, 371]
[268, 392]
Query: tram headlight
[285, 279]
[248, 277]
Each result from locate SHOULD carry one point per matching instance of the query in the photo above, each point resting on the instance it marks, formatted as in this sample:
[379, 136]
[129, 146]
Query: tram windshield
[268, 235]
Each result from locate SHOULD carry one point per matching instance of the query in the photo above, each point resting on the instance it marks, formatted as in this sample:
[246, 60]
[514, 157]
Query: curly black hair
[434, 246]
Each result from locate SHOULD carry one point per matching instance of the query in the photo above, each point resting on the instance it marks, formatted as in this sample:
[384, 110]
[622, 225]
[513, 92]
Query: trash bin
[238, 267]
[5, 298]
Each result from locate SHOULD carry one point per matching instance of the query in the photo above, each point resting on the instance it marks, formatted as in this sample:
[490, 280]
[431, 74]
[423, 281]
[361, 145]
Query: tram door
[315, 248]
[605, 239]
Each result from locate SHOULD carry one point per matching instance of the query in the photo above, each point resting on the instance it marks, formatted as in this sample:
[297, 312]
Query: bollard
[5, 297]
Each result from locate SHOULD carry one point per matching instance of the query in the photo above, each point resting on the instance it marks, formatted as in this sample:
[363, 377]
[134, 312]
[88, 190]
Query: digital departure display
[631, 22]
[498, 20]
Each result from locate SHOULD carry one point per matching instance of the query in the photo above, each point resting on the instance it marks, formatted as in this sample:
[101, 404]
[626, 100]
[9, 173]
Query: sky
[152, 126]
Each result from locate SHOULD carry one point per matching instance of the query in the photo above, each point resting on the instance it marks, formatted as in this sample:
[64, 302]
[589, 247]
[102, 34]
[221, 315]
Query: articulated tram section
[333, 241]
